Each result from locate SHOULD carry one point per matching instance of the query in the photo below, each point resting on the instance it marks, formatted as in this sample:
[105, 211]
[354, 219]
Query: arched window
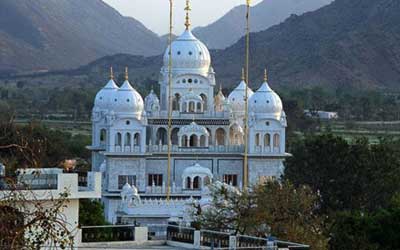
[103, 136]
[175, 103]
[205, 99]
[192, 107]
[174, 136]
[199, 107]
[184, 107]
[194, 141]
[118, 139]
[267, 140]
[203, 141]
[128, 139]
[257, 139]
[276, 140]
[162, 136]
[196, 182]
[184, 141]
[136, 139]
[220, 136]
[210, 142]
[188, 182]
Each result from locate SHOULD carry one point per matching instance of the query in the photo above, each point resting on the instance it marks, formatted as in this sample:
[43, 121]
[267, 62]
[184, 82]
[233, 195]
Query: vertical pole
[169, 100]
[246, 116]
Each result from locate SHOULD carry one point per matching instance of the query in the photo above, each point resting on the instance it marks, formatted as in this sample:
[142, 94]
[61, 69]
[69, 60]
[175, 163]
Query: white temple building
[130, 138]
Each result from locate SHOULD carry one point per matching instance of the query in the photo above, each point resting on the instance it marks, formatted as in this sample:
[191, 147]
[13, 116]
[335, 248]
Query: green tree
[91, 213]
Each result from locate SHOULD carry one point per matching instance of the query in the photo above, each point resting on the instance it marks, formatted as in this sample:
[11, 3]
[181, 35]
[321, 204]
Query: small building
[323, 115]
[47, 185]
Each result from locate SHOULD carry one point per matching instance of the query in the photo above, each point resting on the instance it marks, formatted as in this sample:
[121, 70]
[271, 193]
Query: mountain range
[346, 43]
[43, 35]
[231, 27]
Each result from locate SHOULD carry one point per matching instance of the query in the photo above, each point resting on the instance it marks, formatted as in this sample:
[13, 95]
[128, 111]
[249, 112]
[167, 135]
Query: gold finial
[248, 2]
[187, 9]
[126, 74]
[220, 88]
[265, 75]
[243, 75]
[111, 73]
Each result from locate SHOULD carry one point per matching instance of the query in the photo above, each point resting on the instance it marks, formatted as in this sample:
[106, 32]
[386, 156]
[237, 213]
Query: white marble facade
[130, 137]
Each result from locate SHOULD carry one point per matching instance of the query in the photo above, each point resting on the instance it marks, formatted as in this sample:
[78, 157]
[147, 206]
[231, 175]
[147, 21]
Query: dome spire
[111, 73]
[243, 75]
[126, 74]
[265, 75]
[187, 9]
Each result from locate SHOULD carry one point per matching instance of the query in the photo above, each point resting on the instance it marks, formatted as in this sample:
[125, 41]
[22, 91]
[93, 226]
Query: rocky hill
[347, 43]
[58, 34]
[231, 27]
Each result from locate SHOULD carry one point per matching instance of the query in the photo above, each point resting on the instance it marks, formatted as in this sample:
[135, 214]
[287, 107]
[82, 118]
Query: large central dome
[188, 52]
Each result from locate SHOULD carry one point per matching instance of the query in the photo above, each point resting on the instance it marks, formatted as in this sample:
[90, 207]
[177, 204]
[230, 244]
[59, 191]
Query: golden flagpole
[169, 100]
[246, 116]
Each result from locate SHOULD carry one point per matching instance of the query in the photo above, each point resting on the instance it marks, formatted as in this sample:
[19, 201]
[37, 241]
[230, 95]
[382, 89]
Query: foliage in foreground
[91, 213]
[272, 208]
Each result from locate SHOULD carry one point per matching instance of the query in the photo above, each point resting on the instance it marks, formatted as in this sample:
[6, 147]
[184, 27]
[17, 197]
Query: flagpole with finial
[246, 116]
[169, 99]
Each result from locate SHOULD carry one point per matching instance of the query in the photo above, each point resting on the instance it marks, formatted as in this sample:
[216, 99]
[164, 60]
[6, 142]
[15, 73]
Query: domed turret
[265, 101]
[128, 100]
[237, 96]
[188, 52]
[219, 101]
[105, 96]
[151, 102]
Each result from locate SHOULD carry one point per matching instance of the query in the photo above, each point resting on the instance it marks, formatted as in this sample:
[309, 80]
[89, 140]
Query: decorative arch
[184, 141]
[276, 140]
[220, 136]
[194, 141]
[103, 136]
[258, 143]
[176, 102]
[162, 136]
[118, 139]
[128, 139]
[136, 139]
[205, 101]
[174, 136]
[196, 182]
[267, 140]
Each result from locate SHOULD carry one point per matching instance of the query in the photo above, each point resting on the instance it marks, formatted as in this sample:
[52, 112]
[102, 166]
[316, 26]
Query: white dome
[106, 95]
[151, 101]
[188, 52]
[128, 100]
[237, 97]
[265, 101]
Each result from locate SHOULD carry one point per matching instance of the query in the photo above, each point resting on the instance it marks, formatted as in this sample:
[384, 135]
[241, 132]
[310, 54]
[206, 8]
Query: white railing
[210, 149]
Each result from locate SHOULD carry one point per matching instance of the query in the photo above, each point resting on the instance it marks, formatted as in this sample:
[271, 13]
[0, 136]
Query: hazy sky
[154, 13]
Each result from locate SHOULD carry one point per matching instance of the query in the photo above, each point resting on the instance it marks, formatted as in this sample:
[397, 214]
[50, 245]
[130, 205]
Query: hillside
[61, 34]
[231, 27]
[349, 42]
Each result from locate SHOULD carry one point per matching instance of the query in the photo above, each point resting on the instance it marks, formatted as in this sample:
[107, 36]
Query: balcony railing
[108, 233]
[29, 182]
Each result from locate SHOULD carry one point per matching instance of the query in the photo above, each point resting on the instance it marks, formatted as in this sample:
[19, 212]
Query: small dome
[197, 170]
[128, 100]
[151, 102]
[188, 52]
[193, 128]
[105, 96]
[220, 98]
[237, 129]
[265, 101]
[237, 97]
[127, 189]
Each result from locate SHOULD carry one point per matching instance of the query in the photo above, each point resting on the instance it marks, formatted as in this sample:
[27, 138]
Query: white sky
[154, 14]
